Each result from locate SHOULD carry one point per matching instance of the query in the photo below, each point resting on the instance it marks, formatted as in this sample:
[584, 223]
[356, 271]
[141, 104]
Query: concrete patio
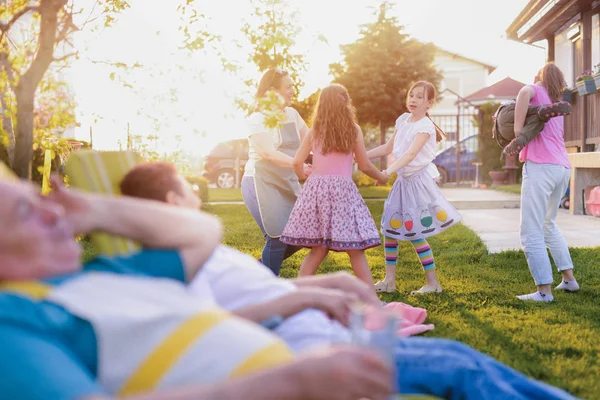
[495, 217]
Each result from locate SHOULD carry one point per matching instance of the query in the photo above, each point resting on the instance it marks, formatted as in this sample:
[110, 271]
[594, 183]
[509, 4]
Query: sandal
[548, 111]
[426, 290]
[383, 287]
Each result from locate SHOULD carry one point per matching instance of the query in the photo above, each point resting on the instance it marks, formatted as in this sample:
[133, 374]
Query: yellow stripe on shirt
[32, 289]
[162, 359]
[270, 356]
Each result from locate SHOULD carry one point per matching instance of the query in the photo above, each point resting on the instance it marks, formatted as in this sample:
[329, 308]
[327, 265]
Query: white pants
[543, 187]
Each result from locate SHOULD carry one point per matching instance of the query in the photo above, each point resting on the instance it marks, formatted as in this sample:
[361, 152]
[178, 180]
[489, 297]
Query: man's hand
[336, 303]
[342, 281]
[77, 205]
[346, 373]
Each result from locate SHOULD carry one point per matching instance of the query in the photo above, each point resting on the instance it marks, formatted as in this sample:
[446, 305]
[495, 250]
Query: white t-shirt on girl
[406, 133]
[256, 126]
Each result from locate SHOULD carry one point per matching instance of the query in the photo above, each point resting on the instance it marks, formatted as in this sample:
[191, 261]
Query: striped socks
[391, 251]
[423, 251]
[421, 247]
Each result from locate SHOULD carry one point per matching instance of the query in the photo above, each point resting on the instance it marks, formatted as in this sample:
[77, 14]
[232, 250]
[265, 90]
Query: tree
[379, 68]
[488, 150]
[272, 39]
[307, 106]
[54, 20]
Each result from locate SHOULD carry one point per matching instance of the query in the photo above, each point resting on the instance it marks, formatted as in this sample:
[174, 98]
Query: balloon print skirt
[416, 209]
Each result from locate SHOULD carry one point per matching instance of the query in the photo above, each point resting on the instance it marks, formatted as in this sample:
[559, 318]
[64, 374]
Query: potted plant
[498, 177]
[585, 83]
[597, 75]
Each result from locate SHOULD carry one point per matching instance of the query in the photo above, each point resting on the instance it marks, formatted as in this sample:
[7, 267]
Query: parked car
[446, 161]
[220, 162]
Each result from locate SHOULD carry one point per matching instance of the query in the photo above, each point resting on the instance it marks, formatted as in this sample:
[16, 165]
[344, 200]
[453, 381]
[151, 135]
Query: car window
[471, 144]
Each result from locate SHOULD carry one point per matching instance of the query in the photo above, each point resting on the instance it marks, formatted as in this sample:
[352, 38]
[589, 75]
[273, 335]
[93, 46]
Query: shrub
[361, 179]
[202, 187]
[392, 179]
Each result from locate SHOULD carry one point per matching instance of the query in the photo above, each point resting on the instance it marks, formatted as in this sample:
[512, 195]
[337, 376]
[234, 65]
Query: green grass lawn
[558, 343]
[516, 189]
[374, 192]
[223, 195]
[218, 195]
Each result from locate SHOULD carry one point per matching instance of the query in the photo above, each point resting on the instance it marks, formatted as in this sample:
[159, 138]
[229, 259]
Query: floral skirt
[331, 213]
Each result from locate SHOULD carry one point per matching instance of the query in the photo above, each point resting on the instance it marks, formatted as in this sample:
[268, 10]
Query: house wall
[459, 75]
[464, 77]
[565, 52]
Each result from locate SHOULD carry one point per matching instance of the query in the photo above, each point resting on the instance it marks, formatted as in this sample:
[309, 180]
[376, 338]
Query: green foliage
[379, 68]
[307, 106]
[488, 152]
[392, 179]
[271, 106]
[24, 64]
[194, 30]
[146, 146]
[202, 184]
[362, 180]
[271, 32]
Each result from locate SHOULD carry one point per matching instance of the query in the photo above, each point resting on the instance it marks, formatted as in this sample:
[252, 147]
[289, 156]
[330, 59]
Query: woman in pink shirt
[546, 173]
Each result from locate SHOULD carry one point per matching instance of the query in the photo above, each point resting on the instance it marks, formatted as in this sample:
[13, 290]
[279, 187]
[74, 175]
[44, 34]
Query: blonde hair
[430, 94]
[553, 80]
[271, 79]
[334, 121]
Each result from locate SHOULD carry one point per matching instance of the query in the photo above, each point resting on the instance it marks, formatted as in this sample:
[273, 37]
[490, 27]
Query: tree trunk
[24, 137]
[4, 155]
[383, 129]
[8, 153]
[29, 81]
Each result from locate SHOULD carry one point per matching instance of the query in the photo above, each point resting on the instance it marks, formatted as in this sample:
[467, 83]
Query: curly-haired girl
[330, 213]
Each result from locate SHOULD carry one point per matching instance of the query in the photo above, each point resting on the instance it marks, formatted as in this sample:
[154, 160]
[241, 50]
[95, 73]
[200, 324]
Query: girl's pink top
[549, 146]
[331, 163]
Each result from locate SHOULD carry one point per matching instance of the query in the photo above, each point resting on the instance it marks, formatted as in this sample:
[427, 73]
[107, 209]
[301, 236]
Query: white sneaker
[537, 296]
[571, 286]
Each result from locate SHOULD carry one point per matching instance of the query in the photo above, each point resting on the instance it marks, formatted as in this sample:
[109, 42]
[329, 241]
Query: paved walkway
[498, 227]
[468, 199]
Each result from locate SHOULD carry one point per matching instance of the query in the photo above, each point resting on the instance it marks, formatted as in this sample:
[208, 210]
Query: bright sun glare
[190, 97]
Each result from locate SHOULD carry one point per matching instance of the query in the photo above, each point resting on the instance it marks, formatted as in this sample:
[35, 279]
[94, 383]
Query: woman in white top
[270, 186]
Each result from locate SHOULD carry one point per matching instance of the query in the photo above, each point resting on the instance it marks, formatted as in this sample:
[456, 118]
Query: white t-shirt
[238, 280]
[256, 126]
[405, 135]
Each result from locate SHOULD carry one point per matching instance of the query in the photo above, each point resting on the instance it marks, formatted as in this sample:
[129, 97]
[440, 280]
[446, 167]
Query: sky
[189, 98]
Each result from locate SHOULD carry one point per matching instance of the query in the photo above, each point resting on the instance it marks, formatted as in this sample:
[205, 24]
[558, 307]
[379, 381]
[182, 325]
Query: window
[563, 48]
[595, 39]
